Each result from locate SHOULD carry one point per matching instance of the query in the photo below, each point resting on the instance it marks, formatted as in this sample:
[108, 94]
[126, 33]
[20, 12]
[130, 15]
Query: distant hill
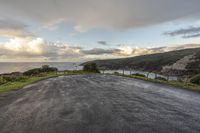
[185, 61]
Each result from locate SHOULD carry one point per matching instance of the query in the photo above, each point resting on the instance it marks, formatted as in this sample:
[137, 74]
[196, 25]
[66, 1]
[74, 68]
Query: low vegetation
[75, 72]
[116, 73]
[14, 82]
[180, 84]
[139, 75]
[11, 79]
[195, 80]
[160, 78]
[91, 67]
[14, 85]
[37, 71]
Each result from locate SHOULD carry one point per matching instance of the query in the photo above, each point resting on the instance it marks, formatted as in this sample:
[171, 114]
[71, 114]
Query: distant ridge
[184, 61]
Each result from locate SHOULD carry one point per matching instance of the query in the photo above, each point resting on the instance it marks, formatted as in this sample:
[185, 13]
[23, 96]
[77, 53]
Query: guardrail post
[148, 74]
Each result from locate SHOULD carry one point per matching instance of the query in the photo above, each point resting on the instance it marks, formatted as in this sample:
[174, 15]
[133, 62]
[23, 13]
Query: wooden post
[148, 74]
[167, 78]
[186, 81]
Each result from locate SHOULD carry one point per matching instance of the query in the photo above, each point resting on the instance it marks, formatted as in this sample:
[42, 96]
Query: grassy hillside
[195, 65]
[153, 62]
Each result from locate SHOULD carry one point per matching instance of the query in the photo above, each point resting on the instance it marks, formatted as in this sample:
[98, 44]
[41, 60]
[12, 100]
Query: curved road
[99, 104]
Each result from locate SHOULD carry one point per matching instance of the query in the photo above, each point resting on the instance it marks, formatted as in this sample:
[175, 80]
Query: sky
[82, 30]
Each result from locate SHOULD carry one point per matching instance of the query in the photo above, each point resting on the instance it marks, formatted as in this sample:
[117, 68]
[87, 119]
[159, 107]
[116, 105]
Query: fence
[151, 75]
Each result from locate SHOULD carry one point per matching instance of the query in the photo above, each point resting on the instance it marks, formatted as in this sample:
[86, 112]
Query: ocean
[8, 67]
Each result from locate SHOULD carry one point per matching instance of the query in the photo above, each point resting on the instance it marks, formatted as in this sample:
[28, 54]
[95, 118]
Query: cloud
[190, 32]
[99, 51]
[104, 43]
[13, 28]
[192, 36]
[128, 51]
[37, 49]
[90, 14]
[179, 47]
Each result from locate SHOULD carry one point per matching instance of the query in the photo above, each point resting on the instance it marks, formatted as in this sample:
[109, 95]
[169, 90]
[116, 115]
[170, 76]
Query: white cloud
[37, 48]
[125, 51]
[128, 51]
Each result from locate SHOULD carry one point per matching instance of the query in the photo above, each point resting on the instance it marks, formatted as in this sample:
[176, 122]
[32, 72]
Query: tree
[37, 71]
[195, 79]
[46, 68]
[91, 67]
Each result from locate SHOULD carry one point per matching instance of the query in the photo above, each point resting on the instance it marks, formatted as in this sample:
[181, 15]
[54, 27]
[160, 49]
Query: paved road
[99, 104]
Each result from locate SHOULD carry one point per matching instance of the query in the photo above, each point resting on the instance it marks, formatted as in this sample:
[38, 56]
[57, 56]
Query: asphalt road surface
[99, 104]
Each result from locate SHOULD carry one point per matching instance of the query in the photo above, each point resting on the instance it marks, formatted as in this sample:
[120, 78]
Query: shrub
[139, 75]
[46, 68]
[38, 71]
[161, 78]
[2, 80]
[195, 79]
[33, 72]
[116, 73]
[13, 78]
[91, 67]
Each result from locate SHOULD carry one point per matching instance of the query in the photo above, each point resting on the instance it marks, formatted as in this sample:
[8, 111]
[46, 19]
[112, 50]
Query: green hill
[187, 60]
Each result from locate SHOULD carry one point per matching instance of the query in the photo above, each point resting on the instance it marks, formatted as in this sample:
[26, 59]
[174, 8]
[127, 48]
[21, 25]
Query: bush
[139, 75]
[33, 72]
[38, 71]
[195, 79]
[2, 80]
[13, 78]
[116, 73]
[91, 67]
[46, 68]
[161, 78]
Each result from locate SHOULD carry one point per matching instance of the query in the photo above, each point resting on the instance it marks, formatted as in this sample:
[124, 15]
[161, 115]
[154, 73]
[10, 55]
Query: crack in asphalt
[97, 103]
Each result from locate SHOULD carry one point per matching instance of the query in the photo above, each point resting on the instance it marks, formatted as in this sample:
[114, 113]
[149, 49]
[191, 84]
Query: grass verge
[9, 86]
[172, 83]
[15, 85]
